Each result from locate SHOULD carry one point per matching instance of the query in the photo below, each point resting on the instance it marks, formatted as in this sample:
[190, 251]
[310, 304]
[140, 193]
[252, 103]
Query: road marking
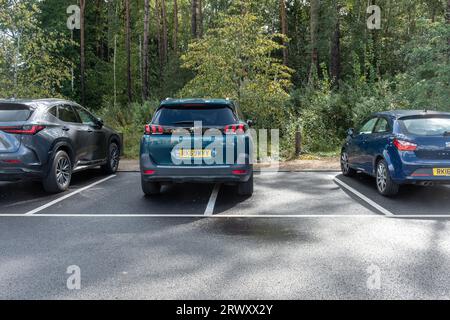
[212, 200]
[51, 203]
[375, 205]
[227, 216]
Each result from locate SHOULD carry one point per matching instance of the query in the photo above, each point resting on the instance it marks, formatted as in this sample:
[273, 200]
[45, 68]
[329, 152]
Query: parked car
[50, 139]
[400, 147]
[161, 154]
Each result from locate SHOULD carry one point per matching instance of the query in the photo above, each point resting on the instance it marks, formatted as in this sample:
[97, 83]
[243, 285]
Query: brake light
[153, 129]
[402, 145]
[235, 128]
[30, 130]
[239, 172]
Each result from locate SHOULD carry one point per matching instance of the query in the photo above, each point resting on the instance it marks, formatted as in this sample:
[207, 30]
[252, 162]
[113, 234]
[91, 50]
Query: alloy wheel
[344, 163]
[381, 177]
[114, 157]
[63, 172]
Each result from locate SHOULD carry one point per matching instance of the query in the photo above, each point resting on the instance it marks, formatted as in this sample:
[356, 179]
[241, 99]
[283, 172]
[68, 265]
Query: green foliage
[235, 60]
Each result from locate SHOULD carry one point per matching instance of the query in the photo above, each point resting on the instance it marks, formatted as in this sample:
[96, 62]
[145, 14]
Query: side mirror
[250, 123]
[100, 122]
[350, 132]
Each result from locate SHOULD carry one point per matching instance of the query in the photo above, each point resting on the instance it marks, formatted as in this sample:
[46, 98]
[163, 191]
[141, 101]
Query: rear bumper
[406, 169]
[210, 174]
[15, 174]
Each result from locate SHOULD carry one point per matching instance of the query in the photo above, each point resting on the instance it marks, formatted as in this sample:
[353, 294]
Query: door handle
[65, 128]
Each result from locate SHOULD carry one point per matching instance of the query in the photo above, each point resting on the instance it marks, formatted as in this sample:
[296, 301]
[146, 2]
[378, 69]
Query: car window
[367, 127]
[86, 117]
[53, 111]
[14, 112]
[381, 126]
[185, 115]
[426, 126]
[67, 114]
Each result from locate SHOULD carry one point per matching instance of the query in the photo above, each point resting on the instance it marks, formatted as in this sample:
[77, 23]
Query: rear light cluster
[29, 130]
[153, 129]
[403, 145]
[235, 128]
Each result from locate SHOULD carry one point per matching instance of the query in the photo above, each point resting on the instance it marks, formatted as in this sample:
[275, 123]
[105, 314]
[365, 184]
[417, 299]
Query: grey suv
[49, 139]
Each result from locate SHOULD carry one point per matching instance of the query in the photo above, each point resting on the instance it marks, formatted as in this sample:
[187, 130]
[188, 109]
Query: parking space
[411, 201]
[277, 194]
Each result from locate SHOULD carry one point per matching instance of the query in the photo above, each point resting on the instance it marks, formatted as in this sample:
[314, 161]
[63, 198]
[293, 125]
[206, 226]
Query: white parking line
[212, 200]
[51, 203]
[375, 205]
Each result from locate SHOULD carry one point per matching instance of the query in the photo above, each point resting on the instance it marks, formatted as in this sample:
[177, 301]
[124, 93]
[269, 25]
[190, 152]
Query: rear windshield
[185, 116]
[431, 126]
[14, 112]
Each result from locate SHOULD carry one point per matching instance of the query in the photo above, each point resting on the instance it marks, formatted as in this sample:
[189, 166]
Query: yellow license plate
[194, 153]
[441, 172]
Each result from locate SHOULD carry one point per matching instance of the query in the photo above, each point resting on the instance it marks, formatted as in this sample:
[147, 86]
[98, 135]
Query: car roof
[35, 103]
[408, 113]
[195, 101]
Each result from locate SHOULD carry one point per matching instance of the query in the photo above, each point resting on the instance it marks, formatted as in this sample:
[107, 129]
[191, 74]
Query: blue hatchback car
[197, 140]
[400, 147]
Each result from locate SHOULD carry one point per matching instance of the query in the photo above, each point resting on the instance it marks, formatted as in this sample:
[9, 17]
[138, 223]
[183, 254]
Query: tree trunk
[194, 18]
[199, 19]
[175, 25]
[145, 62]
[128, 47]
[82, 59]
[283, 19]
[448, 19]
[159, 36]
[335, 63]
[164, 32]
[314, 21]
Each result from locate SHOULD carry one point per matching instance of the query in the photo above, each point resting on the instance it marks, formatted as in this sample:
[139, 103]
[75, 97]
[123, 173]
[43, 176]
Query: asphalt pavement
[302, 235]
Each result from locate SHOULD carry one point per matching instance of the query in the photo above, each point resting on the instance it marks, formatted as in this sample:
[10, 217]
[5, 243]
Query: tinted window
[14, 112]
[86, 117]
[426, 126]
[185, 116]
[367, 127]
[67, 114]
[382, 126]
[53, 111]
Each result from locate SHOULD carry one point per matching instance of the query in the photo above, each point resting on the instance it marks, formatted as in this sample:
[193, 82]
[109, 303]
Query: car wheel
[385, 185]
[150, 188]
[112, 162]
[246, 188]
[345, 166]
[59, 175]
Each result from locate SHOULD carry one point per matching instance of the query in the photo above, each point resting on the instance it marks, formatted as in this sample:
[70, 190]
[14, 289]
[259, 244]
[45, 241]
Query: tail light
[235, 128]
[149, 172]
[403, 145]
[29, 130]
[153, 129]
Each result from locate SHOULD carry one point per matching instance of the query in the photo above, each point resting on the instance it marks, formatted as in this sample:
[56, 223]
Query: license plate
[193, 154]
[441, 172]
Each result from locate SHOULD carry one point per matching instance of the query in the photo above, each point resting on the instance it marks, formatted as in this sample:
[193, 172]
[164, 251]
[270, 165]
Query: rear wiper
[183, 122]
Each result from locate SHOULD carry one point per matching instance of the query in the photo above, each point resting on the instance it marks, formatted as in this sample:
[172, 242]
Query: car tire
[60, 173]
[345, 166]
[112, 161]
[385, 185]
[150, 188]
[246, 188]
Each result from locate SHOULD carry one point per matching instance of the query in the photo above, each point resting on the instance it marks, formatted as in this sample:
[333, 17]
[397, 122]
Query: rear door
[377, 141]
[192, 134]
[77, 132]
[12, 115]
